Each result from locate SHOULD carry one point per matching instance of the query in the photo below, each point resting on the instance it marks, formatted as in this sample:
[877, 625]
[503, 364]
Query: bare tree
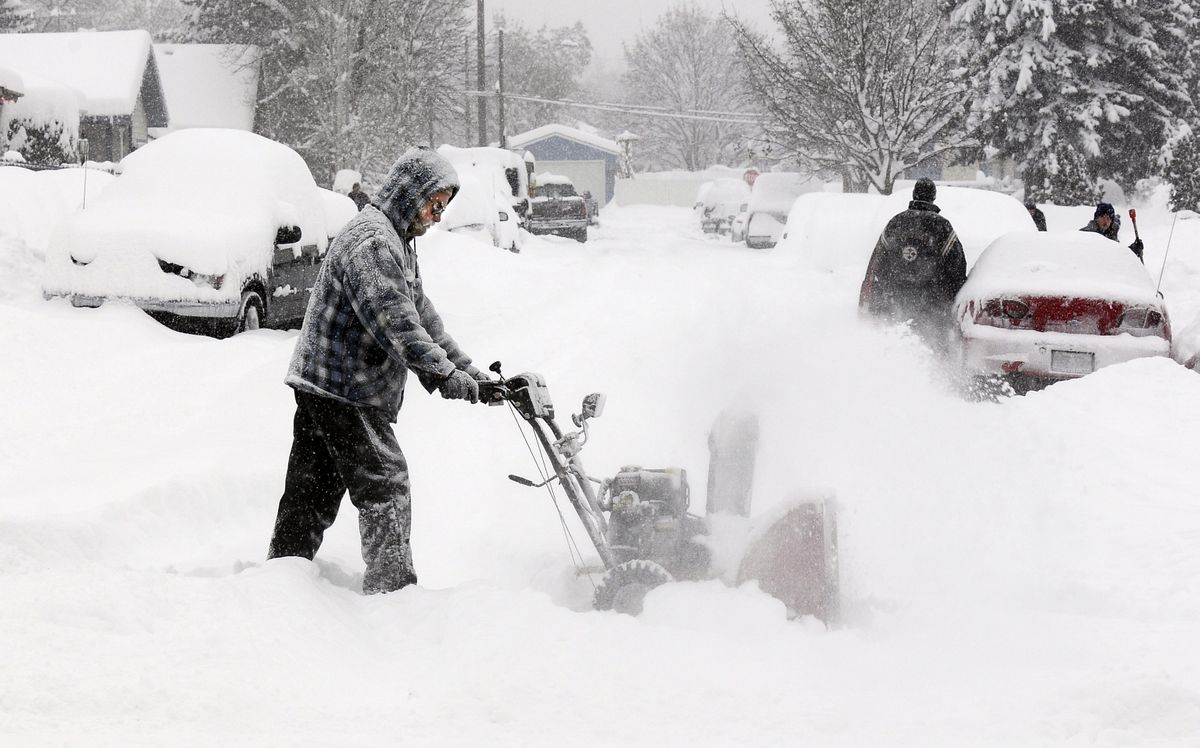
[866, 89]
[687, 62]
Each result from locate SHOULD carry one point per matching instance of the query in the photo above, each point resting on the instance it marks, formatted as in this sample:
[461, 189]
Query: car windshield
[556, 189]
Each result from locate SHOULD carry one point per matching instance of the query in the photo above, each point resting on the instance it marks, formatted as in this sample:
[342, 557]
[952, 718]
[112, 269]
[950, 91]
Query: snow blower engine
[639, 520]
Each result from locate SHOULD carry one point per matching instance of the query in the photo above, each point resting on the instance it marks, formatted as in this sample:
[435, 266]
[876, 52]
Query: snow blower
[639, 520]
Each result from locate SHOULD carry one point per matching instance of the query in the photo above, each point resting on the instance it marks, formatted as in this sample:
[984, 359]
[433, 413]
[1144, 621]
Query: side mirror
[593, 405]
[288, 235]
[503, 216]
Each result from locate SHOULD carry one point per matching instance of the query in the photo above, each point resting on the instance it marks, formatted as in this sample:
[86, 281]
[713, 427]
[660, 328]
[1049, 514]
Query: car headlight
[200, 279]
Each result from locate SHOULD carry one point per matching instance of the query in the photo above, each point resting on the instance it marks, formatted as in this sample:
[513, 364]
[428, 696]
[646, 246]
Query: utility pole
[500, 86]
[467, 123]
[480, 70]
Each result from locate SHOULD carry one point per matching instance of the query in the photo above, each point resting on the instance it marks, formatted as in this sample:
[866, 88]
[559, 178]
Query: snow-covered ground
[1017, 573]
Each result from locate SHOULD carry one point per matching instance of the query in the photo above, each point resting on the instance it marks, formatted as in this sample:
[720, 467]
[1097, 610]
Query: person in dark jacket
[917, 268]
[1039, 218]
[1107, 223]
[368, 323]
[359, 197]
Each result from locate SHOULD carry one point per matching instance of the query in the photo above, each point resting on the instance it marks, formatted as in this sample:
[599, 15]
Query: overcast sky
[610, 22]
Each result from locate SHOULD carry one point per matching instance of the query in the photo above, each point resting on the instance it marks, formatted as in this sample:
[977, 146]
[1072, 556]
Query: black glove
[1137, 247]
[459, 386]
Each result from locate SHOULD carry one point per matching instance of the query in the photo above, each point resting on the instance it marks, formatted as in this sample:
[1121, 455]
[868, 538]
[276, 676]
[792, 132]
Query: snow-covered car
[511, 170]
[1045, 306]
[720, 203]
[481, 209]
[339, 209]
[557, 209]
[770, 202]
[208, 230]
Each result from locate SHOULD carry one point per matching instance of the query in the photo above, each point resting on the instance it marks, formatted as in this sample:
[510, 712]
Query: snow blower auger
[639, 523]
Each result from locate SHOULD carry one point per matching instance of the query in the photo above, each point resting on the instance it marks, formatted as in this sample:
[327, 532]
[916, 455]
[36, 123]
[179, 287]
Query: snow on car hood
[1073, 264]
[209, 200]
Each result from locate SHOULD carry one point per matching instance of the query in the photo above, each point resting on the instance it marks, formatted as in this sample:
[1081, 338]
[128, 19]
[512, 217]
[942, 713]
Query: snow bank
[338, 210]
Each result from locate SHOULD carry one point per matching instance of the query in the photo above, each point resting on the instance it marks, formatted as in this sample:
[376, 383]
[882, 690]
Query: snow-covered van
[770, 202]
[208, 230]
[1043, 306]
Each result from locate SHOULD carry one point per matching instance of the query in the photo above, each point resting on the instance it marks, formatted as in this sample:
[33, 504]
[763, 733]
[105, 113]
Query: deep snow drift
[1019, 573]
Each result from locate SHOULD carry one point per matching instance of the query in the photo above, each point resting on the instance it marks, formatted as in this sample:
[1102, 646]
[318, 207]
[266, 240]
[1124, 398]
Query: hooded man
[917, 267]
[1107, 223]
[367, 324]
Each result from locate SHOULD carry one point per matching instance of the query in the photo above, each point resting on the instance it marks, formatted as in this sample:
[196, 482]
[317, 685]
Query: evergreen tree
[1104, 78]
[1184, 174]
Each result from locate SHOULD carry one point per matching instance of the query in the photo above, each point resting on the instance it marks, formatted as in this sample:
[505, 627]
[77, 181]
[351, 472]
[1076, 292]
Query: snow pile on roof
[210, 200]
[539, 133]
[208, 85]
[1071, 264]
[724, 192]
[549, 178]
[775, 191]
[106, 68]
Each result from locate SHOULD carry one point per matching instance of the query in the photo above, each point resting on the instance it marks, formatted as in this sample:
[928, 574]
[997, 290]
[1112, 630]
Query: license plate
[1072, 362]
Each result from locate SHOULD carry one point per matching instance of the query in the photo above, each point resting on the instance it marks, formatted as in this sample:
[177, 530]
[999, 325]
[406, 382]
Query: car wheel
[251, 315]
[581, 235]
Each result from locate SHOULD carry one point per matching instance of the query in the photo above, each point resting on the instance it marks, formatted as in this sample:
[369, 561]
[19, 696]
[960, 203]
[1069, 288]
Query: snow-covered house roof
[570, 133]
[209, 85]
[109, 69]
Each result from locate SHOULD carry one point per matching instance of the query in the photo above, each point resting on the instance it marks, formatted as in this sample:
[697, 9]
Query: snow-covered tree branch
[865, 89]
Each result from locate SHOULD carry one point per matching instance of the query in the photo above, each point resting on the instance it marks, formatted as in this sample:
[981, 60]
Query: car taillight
[1141, 321]
[1002, 312]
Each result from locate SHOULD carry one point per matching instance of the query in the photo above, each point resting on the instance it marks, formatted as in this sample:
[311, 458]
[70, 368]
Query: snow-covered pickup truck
[558, 209]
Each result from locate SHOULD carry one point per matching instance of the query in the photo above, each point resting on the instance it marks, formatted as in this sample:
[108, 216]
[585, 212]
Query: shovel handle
[1133, 218]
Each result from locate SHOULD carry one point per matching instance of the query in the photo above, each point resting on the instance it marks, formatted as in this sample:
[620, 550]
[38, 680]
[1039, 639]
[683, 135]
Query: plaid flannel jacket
[368, 321]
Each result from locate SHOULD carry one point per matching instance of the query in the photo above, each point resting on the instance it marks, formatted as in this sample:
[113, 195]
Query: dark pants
[338, 448]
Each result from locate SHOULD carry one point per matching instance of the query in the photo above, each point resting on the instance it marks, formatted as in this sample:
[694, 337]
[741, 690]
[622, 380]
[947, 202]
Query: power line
[741, 118]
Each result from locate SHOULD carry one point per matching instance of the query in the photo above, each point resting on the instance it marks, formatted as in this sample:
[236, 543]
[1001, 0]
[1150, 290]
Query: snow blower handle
[493, 393]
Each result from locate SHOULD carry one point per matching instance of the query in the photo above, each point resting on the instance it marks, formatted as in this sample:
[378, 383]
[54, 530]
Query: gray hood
[415, 177]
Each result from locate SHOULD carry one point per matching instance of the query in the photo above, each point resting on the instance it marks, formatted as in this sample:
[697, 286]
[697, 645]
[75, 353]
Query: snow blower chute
[640, 525]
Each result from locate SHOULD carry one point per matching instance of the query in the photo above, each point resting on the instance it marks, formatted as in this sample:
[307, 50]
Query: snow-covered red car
[209, 230]
[1039, 307]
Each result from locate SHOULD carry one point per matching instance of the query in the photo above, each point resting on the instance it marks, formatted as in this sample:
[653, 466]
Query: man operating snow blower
[367, 324]
[917, 268]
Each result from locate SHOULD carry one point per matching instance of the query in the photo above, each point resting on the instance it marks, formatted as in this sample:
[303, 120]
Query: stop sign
[749, 176]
